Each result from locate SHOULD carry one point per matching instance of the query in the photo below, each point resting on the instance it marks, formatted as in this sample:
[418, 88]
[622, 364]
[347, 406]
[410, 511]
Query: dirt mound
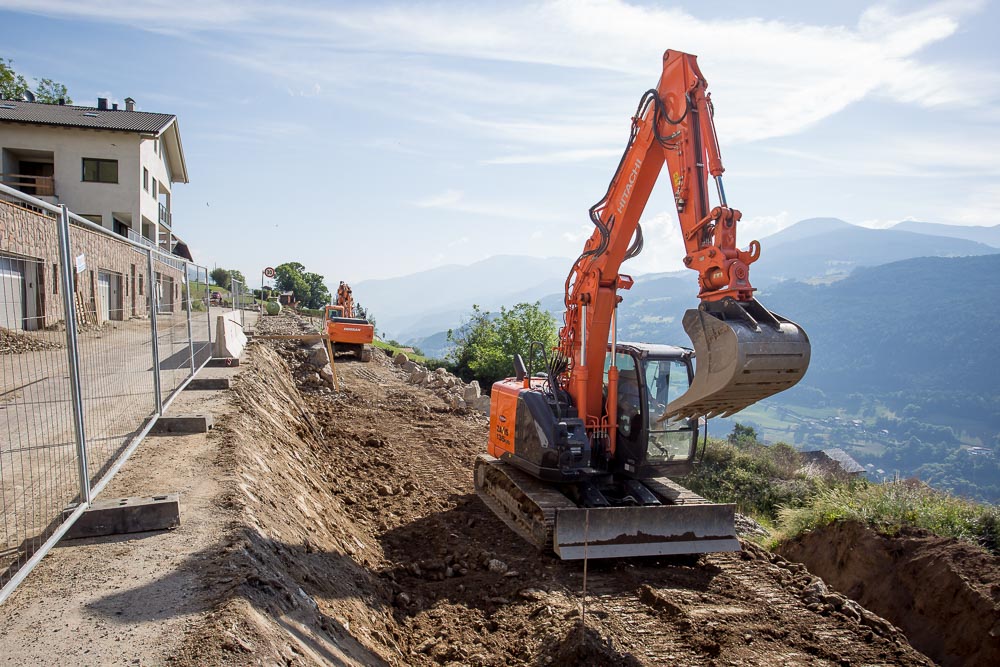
[361, 541]
[16, 342]
[943, 593]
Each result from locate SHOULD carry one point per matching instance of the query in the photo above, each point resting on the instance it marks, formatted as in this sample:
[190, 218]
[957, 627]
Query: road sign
[269, 272]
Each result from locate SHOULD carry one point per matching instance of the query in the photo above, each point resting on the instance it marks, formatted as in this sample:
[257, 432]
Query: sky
[376, 139]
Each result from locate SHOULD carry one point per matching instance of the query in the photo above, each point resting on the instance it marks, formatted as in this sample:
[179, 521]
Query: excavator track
[685, 524]
[527, 506]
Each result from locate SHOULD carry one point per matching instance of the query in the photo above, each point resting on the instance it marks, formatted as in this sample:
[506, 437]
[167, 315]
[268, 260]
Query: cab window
[629, 401]
[665, 380]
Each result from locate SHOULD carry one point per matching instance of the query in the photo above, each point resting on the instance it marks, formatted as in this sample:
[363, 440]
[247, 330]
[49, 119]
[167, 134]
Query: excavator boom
[735, 337]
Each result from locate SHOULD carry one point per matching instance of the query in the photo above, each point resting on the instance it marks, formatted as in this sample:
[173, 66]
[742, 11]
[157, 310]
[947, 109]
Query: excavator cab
[649, 378]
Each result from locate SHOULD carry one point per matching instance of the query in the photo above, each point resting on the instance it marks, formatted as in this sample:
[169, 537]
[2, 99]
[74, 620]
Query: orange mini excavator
[346, 332]
[581, 456]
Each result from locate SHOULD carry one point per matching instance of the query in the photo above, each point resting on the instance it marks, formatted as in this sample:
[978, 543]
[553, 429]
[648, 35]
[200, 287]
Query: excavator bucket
[743, 353]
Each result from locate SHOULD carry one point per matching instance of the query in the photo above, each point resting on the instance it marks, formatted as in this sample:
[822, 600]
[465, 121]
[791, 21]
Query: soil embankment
[943, 593]
[361, 541]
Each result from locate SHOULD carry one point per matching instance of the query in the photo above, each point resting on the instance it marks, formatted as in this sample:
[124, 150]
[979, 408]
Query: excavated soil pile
[361, 541]
[943, 593]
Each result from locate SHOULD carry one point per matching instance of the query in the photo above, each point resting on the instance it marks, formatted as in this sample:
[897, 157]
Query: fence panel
[170, 296]
[240, 300]
[97, 334]
[114, 344]
[201, 331]
[39, 477]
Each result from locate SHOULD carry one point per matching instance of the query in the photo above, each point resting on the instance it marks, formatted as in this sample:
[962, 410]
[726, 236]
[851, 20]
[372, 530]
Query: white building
[114, 166]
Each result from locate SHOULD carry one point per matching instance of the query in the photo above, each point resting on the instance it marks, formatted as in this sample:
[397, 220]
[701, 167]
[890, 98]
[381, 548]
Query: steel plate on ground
[619, 532]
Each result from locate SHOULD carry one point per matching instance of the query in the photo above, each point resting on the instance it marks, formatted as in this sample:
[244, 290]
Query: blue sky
[376, 139]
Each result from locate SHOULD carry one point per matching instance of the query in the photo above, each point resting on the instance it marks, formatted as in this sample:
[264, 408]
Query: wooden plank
[315, 337]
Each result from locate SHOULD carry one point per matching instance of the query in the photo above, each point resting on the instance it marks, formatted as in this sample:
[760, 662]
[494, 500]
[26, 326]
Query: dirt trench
[360, 541]
[943, 593]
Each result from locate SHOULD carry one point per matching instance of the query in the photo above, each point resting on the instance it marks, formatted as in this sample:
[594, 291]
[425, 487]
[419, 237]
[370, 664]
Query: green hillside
[904, 366]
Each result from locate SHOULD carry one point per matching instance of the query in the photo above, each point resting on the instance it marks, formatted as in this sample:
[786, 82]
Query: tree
[237, 275]
[309, 288]
[221, 277]
[50, 92]
[743, 436]
[485, 346]
[13, 86]
[319, 293]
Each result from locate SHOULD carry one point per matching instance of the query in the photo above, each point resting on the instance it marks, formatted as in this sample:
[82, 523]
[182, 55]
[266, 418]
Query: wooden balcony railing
[40, 186]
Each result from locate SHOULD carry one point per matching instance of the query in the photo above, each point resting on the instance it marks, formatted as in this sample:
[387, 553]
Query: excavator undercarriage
[675, 520]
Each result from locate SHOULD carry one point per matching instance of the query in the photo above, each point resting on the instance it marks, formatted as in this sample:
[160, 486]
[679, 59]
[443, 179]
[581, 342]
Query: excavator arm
[744, 351]
[345, 299]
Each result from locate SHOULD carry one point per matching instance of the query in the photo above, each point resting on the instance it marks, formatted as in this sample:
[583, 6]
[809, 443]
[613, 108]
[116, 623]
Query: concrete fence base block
[182, 424]
[127, 515]
[202, 384]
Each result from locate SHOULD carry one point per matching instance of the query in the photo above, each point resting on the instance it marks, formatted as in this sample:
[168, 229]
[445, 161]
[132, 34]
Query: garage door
[11, 293]
[104, 295]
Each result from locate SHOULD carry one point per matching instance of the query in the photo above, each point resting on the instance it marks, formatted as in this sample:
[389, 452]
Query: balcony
[165, 216]
[38, 186]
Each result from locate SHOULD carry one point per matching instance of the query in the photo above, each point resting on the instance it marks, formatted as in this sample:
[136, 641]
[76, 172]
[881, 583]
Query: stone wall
[30, 235]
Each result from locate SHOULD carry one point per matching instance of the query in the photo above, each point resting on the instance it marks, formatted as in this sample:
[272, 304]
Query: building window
[154, 189]
[140, 285]
[55, 279]
[100, 171]
[145, 179]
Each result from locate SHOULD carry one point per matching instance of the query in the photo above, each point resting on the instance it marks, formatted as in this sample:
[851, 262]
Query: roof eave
[175, 150]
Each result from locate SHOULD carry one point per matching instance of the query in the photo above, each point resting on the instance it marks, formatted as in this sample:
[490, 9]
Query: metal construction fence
[242, 299]
[98, 333]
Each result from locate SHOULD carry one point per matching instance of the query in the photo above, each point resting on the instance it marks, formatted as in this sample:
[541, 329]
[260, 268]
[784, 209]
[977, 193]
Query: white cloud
[556, 157]
[759, 226]
[663, 247]
[772, 77]
[455, 200]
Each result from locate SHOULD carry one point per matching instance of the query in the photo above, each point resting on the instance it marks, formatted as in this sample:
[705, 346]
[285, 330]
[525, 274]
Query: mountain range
[420, 307]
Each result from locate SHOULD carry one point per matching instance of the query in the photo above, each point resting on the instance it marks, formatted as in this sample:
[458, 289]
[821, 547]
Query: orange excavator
[348, 333]
[581, 456]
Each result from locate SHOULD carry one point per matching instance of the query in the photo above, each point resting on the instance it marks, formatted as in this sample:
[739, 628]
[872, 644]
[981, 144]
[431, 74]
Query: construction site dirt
[359, 540]
[343, 529]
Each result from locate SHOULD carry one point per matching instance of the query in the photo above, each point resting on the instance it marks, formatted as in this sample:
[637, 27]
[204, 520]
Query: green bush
[486, 344]
[759, 479]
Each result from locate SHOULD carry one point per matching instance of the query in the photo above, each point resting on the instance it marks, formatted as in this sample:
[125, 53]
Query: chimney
[62, 100]
[102, 103]
[129, 104]
[114, 107]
